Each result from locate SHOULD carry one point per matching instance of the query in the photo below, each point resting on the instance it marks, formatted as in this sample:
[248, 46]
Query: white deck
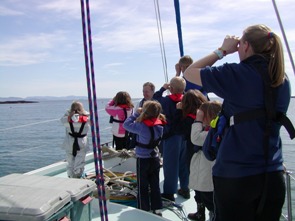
[118, 211]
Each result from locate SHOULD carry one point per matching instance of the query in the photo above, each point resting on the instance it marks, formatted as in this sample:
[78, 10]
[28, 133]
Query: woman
[248, 173]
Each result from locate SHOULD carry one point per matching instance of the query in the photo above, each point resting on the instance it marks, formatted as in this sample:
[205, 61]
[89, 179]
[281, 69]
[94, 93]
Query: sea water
[31, 135]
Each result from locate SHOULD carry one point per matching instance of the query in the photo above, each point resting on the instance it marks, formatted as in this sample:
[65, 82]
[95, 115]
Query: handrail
[289, 177]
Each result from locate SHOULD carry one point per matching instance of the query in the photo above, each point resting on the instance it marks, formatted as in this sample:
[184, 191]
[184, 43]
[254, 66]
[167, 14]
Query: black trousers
[205, 198]
[120, 142]
[238, 199]
[148, 182]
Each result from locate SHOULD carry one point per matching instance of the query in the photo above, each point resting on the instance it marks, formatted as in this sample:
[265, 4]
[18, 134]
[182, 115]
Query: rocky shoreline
[18, 102]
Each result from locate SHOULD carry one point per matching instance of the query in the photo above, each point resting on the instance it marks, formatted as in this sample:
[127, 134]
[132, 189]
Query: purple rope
[96, 148]
[96, 110]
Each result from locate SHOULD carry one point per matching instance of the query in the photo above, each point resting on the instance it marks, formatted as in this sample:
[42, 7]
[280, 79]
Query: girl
[148, 123]
[200, 178]
[77, 123]
[119, 108]
[184, 118]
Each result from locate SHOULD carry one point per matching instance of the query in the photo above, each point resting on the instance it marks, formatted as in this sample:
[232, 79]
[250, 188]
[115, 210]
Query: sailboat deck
[122, 212]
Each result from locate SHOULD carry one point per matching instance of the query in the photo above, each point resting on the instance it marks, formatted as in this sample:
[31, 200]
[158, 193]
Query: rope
[178, 22]
[284, 35]
[161, 39]
[98, 171]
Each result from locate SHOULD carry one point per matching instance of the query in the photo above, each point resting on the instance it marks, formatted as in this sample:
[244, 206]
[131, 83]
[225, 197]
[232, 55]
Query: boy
[173, 159]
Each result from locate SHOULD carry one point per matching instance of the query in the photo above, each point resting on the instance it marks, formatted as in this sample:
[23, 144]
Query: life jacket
[112, 119]
[152, 143]
[82, 119]
[132, 137]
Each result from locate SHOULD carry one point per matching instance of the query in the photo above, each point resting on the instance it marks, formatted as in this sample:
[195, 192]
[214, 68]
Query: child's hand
[179, 105]
[166, 86]
[139, 110]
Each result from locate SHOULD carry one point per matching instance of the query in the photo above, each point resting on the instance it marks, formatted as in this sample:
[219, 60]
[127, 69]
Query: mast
[178, 22]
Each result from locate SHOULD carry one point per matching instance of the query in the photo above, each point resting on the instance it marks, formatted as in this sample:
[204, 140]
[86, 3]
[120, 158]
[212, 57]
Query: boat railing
[289, 215]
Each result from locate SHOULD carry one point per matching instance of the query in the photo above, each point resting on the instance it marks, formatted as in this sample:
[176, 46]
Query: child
[180, 67]
[119, 108]
[200, 178]
[171, 142]
[147, 124]
[184, 118]
[77, 125]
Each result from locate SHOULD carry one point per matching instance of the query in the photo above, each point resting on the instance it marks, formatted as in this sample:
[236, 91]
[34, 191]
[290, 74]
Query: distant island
[18, 102]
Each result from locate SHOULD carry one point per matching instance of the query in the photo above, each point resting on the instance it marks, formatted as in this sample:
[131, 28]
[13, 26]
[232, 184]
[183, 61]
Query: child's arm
[159, 94]
[198, 135]
[131, 125]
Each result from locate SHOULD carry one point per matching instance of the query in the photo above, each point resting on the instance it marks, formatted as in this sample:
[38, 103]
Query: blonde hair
[77, 107]
[191, 101]
[123, 97]
[177, 85]
[267, 44]
[150, 110]
[211, 109]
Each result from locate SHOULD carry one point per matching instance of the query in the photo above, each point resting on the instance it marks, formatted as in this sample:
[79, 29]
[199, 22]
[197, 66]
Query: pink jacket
[118, 113]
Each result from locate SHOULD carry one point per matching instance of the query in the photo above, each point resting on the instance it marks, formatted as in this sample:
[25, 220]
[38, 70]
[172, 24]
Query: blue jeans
[175, 164]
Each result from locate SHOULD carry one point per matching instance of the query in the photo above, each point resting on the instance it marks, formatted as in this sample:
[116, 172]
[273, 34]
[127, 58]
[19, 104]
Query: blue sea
[31, 135]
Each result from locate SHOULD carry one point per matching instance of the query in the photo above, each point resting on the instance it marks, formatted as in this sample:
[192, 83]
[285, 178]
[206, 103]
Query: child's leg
[200, 214]
[142, 167]
[154, 181]
[120, 142]
[79, 163]
[207, 198]
[70, 164]
[171, 148]
[183, 167]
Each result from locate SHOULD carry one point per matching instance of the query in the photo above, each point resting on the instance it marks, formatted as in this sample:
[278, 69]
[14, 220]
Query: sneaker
[184, 193]
[196, 216]
[157, 212]
[168, 196]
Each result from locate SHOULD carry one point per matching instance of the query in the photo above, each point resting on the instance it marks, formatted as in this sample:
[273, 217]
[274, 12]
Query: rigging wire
[284, 35]
[161, 39]
[97, 153]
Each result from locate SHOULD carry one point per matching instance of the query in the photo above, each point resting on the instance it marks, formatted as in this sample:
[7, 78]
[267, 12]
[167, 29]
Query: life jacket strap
[76, 136]
[152, 143]
[280, 118]
[112, 119]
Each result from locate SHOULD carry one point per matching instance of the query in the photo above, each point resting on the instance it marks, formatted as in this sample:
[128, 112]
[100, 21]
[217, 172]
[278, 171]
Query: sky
[41, 43]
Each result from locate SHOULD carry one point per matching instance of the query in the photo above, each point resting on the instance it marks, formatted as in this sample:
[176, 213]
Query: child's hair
[211, 109]
[191, 101]
[123, 97]
[185, 60]
[150, 110]
[177, 85]
[77, 107]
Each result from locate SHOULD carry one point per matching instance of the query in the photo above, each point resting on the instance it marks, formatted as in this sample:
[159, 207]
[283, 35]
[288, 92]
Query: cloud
[6, 11]
[29, 49]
